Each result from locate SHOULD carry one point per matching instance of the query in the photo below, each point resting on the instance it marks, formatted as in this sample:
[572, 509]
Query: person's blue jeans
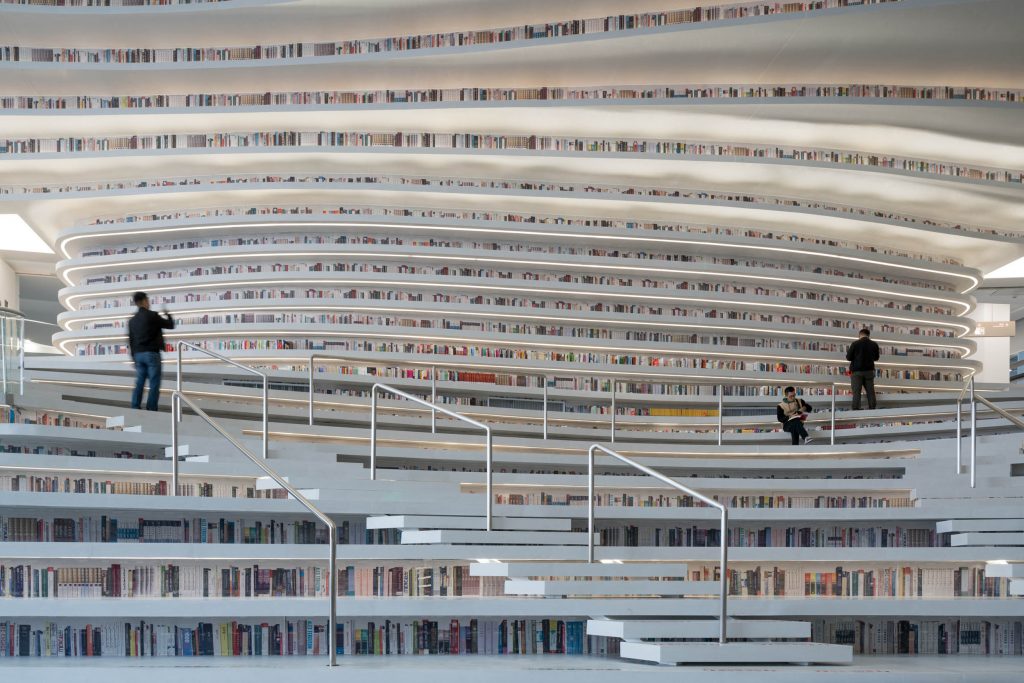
[147, 367]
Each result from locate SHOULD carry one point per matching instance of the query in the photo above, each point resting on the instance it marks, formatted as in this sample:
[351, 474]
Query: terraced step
[471, 537]
[962, 525]
[738, 653]
[625, 587]
[419, 522]
[981, 538]
[525, 570]
[644, 629]
[1002, 570]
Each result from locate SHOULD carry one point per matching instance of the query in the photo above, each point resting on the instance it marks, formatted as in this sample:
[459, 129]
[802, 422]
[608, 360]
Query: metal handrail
[177, 398]
[724, 589]
[224, 359]
[450, 413]
[433, 382]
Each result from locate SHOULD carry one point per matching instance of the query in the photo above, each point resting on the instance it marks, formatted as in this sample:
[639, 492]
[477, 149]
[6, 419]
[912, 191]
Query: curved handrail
[224, 359]
[450, 413]
[724, 590]
[177, 398]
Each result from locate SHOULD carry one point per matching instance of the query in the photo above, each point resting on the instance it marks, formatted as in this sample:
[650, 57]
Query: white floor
[511, 669]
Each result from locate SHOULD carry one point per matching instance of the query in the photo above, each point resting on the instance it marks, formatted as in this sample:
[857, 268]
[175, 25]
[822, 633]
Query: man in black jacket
[145, 342]
[862, 355]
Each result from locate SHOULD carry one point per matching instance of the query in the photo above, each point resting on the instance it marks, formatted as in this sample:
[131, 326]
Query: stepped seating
[659, 641]
[455, 530]
[983, 532]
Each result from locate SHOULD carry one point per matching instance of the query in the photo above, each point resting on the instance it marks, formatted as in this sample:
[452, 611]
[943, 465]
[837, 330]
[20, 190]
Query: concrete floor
[509, 669]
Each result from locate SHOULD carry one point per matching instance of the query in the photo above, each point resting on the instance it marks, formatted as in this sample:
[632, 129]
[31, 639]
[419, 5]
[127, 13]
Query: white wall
[8, 287]
[993, 352]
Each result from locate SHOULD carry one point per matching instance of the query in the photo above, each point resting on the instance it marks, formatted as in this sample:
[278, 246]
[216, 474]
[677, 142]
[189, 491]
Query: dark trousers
[147, 367]
[863, 379]
[796, 430]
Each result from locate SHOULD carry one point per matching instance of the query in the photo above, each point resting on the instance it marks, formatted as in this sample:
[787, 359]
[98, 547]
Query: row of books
[300, 637]
[74, 452]
[553, 219]
[414, 289]
[632, 535]
[111, 529]
[616, 24]
[732, 501]
[483, 141]
[105, 3]
[59, 484]
[16, 415]
[759, 92]
[438, 352]
[925, 636]
[189, 215]
[279, 240]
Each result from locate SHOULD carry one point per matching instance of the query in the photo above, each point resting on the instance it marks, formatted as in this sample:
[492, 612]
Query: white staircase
[983, 532]
[660, 640]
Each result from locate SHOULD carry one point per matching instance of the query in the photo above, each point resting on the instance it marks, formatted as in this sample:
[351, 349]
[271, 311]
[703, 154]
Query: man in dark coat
[862, 355]
[145, 342]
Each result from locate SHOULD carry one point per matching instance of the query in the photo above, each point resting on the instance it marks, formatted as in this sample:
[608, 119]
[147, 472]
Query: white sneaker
[807, 441]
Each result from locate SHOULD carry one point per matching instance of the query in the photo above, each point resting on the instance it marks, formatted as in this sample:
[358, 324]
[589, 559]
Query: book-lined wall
[458, 217]
[611, 24]
[759, 92]
[467, 141]
[297, 637]
[285, 242]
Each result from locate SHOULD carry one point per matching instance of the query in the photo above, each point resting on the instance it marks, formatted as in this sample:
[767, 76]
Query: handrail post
[21, 357]
[433, 398]
[3, 356]
[373, 433]
[545, 380]
[974, 434]
[959, 434]
[615, 386]
[723, 635]
[490, 480]
[720, 414]
[832, 433]
[590, 503]
[332, 586]
[179, 387]
[266, 417]
[175, 418]
[312, 358]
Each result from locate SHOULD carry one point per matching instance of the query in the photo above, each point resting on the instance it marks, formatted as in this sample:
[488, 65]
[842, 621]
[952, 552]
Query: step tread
[961, 525]
[738, 652]
[633, 629]
[524, 570]
[495, 537]
[427, 522]
[982, 538]
[624, 587]
[1007, 570]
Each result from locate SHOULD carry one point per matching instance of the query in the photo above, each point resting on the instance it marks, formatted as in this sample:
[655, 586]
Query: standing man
[862, 355]
[145, 342]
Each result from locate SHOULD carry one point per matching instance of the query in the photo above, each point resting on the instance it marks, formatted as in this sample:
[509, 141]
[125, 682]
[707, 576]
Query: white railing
[546, 376]
[723, 636]
[177, 398]
[489, 444]
[12, 351]
[224, 359]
